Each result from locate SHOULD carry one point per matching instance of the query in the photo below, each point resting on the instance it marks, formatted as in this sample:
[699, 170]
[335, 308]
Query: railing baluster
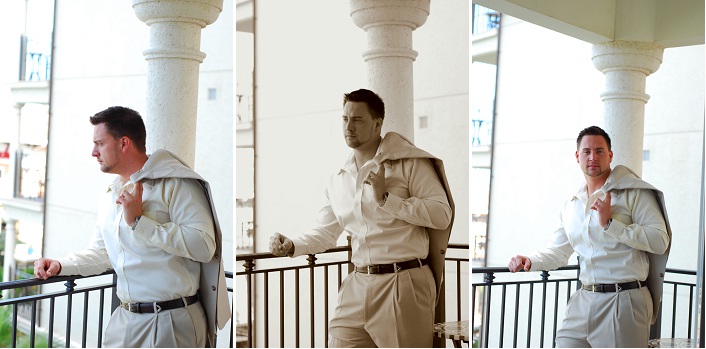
[249, 266]
[312, 263]
[474, 288]
[326, 307]
[556, 312]
[545, 277]
[85, 320]
[517, 314]
[502, 316]
[281, 309]
[691, 306]
[486, 322]
[529, 314]
[14, 326]
[296, 308]
[674, 310]
[33, 322]
[458, 290]
[266, 301]
[70, 285]
[100, 318]
[50, 340]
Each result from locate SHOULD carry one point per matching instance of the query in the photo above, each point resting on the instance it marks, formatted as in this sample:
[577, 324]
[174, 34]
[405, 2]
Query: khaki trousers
[607, 320]
[175, 328]
[385, 310]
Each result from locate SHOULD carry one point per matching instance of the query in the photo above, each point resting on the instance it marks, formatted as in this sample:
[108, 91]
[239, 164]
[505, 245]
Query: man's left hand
[377, 181]
[603, 209]
[132, 204]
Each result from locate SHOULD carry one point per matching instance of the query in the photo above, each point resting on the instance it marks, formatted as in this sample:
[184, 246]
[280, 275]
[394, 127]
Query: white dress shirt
[615, 255]
[161, 259]
[385, 234]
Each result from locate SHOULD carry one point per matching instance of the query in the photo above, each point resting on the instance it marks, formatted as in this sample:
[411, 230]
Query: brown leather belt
[156, 307]
[391, 268]
[613, 287]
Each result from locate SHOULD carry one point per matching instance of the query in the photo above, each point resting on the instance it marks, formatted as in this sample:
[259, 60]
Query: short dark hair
[374, 102]
[592, 131]
[123, 122]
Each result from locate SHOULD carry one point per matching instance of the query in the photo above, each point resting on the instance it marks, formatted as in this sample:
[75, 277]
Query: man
[390, 198]
[618, 226]
[157, 228]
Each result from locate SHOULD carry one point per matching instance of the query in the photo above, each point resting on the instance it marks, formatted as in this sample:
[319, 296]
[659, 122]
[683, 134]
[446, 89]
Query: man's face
[593, 156]
[359, 126]
[106, 149]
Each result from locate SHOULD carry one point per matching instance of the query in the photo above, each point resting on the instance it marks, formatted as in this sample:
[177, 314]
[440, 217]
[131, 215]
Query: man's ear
[125, 143]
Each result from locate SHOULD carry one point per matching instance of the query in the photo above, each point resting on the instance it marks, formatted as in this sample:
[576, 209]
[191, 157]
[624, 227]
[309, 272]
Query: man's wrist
[384, 199]
[610, 220]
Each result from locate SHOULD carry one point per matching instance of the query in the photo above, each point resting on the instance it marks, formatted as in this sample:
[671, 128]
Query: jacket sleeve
[428, 205]
[190, 233]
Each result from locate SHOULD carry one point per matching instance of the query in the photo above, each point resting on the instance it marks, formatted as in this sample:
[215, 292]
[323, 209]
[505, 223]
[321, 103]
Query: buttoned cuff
[145, 226]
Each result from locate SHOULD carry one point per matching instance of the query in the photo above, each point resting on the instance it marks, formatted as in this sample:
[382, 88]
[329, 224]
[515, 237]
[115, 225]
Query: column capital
[370, 13]
[644, 57]
[200, 12]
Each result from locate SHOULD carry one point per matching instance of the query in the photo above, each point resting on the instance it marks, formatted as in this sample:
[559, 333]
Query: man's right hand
[45, 268]
[518, 263]
[281, 245]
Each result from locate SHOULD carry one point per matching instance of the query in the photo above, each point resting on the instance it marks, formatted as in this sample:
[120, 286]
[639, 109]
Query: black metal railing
[29, 330]
[272, 292]
[484, 19]
[530, 318]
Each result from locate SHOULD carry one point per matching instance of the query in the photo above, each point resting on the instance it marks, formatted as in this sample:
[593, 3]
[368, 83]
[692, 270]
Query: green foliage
[23, 340]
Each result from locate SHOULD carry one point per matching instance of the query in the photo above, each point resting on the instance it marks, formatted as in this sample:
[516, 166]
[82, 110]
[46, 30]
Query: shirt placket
[586, 232]
[119, 265]
[362, 210]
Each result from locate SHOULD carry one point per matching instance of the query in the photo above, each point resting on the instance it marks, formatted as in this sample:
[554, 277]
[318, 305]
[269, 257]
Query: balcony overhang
[484, 47]
[245, 14]
[24, 92]
[24, 210]
[664, 22]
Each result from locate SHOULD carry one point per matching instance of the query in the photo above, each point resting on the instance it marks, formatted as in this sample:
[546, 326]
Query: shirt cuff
[68, 267]
[615, 229]
[392, 202]
[300, 248]
[144, 228]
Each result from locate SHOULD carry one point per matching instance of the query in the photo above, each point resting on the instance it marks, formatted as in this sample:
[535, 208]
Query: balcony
[523, 309]
[70, 311]
[288, 302]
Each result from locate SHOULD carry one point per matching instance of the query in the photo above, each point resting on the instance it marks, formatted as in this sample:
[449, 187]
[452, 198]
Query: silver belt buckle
[593, 288]
[133, 307]
[368, 270]
[618, 288]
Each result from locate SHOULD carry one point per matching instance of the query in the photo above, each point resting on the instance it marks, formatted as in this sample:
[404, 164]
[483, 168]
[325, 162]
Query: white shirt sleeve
[90, 261]
[556, 255]
[321, 238]
[648, 230]
[427, 205]
[190, 232]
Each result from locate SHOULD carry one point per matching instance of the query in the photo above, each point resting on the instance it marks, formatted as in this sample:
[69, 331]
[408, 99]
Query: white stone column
[8, 265]
[173, 70]
[389, 25]
[626, 65]
[15, 148]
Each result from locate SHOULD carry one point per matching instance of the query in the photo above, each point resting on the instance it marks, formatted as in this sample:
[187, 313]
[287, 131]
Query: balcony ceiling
[668, 23]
